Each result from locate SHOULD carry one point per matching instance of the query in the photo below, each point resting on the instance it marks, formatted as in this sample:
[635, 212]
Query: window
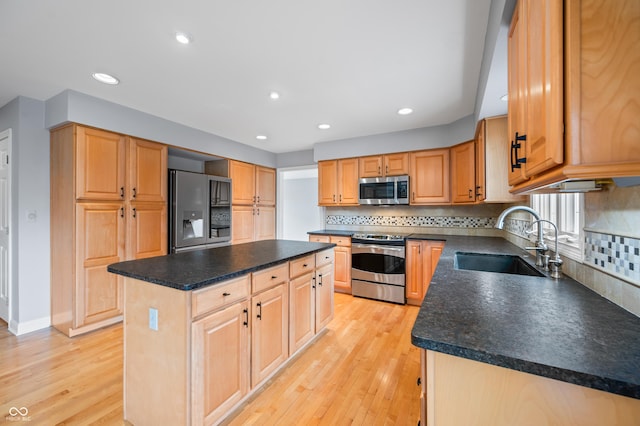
[567, 212]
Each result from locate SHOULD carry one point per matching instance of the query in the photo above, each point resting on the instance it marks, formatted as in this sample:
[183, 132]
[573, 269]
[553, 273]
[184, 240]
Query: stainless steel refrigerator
[200, 211]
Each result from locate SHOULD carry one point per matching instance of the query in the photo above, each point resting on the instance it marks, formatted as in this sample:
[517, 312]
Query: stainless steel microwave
[384, 190]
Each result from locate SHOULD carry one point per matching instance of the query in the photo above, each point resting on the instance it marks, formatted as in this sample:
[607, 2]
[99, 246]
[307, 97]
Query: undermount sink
[501, 263]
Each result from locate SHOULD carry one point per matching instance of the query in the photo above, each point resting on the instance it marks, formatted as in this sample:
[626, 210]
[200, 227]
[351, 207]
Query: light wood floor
[361, 371]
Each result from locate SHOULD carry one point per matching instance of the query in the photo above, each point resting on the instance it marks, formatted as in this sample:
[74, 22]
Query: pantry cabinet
[429, 177]
[338, 182]
[463, 173]
[108, 201]
[422, 258]
[578, 81]
[252, 223]
[396, 164]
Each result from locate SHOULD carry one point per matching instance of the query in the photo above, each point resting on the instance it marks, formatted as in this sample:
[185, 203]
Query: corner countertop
[329, 232]
[199, 268]
[558, 329]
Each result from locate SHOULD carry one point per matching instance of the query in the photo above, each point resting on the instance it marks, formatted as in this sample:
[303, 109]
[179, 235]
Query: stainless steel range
[378, 267]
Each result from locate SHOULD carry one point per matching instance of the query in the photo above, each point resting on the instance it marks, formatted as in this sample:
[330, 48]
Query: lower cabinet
[324, 295]
[252, 223]
[421, 260]
[342, 259]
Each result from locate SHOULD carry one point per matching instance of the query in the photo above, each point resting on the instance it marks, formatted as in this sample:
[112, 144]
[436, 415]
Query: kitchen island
[205, 329]
[512, 349]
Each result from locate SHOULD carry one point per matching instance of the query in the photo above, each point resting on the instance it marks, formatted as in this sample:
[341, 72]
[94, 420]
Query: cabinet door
[396, 164]
[269, 332]
[100, 164]
[301, 311]
[265, 186]
[545, 102]
[480, 147]
[370, 166]
[265, 223]
[434, 250]
[147, 230]
[430, 177]
[219, 362]
[463, 173]
[414, 276]
[100, 233]
[147, 179]
[324, 296]
[342, 264]
[517, 106]
[243, 182]
[327, 182]
[348, 182]
[242, 230]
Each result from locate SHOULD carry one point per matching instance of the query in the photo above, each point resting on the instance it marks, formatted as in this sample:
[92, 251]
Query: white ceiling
[352, 64]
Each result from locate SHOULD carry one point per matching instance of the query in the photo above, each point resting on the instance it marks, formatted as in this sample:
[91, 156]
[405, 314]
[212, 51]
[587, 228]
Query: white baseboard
[19, 328]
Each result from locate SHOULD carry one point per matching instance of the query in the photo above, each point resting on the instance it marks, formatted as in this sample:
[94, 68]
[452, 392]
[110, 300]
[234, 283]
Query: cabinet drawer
[324, 257]
[301, 266]
[319, 238]
[267, 278]
[219, 295]
[340, 241]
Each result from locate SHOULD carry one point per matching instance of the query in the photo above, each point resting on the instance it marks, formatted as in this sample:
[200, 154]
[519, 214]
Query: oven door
[378, 263]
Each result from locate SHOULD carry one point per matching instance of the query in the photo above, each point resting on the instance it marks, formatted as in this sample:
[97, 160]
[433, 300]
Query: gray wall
[30, 288]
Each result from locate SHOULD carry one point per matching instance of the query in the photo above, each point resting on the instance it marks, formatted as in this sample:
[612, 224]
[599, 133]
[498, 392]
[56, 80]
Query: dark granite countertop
[553, 328]
[199, 268]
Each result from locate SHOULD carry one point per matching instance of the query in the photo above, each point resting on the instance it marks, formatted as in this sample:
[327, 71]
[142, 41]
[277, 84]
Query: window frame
[566, 211]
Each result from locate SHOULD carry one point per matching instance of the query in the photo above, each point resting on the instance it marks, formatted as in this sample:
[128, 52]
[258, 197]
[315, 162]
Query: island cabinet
[463, 173]
[421, 260]
[338, 182]
[108, 201]
[503, 397]
[429, 177]
[396, 164]
[342, 259]
[567, 120]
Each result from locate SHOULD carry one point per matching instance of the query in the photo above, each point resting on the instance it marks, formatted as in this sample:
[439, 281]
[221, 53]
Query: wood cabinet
[324, 305]
[252, 223]
[342, 263]
[302, 308]
[463, 173]
[556, 48]
[429, 177]
[252, 184]
[108, 201]
[395, 164]
[492, 151]
[421, 260]
[338, 182]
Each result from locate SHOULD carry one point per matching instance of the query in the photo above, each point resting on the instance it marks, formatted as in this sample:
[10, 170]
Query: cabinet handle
[419, 381]
[258, 198]
[258, 210]
[134, 212]
[340, 197]
[478, 191]
[386, 169]
[516, 162]
[273, 277]
[259, 306]
[122, 192]
[379, 170]
[226, 294]
[254, 198]
[471, 193]
[314, 282]
[121, 211]
[246, 317]
[304, 265]
[413, 196]
[334, 198]
[134, 193]
[320, 281]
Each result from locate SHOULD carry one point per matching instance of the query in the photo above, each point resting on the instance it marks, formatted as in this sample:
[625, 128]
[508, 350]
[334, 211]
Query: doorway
[298, 210]
[5, 225]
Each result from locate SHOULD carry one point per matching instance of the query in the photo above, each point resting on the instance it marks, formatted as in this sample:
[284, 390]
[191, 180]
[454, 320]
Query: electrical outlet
[153, 319]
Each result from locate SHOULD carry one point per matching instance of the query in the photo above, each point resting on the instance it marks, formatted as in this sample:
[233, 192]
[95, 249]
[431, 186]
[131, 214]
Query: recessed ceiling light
[324, 126]
[504, 97]
[105, 78]
[261, 137]
[405, 111]
[274, 95]
[183, 38]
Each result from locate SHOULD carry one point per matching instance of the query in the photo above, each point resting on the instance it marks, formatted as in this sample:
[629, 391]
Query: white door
[5, 223]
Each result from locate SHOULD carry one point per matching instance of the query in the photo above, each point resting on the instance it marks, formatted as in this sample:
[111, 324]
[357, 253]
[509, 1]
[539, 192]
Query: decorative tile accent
[613, 254]
[518, 227]
[432, 221]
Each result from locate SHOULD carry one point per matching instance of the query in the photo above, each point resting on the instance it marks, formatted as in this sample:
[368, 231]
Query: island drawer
[324, 257]
[302, 265]
[319, 238]
[219, 295]
[270, 277]
[340, 241]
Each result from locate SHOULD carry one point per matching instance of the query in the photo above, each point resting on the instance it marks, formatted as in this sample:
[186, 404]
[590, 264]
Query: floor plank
[361, 371]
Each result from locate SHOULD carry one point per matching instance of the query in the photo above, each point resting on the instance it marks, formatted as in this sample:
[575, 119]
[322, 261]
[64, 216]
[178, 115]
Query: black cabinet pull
[246, 317]
[134, 212]
[122, 192]
[314, 282]
[121, 211]
[516, 162]
[478, 191]
[226, 294]
[134, 193]
[273, 277]
[419, 382]
[320, 281]
[471, 193]
[304, 265]
[259, 306]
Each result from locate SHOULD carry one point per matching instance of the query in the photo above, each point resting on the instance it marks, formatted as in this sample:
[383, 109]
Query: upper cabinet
[429, 177]
[384, 165]
[147, 171]
[463, 173]
[564, 73]
[99, 164]
[338, 182]
[252, 185]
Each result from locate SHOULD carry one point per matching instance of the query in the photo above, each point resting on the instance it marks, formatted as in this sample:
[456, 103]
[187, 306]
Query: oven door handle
[372, 248]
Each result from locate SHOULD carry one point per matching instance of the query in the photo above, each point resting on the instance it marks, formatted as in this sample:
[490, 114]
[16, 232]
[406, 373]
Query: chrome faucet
[556, 262]
[540, 248]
